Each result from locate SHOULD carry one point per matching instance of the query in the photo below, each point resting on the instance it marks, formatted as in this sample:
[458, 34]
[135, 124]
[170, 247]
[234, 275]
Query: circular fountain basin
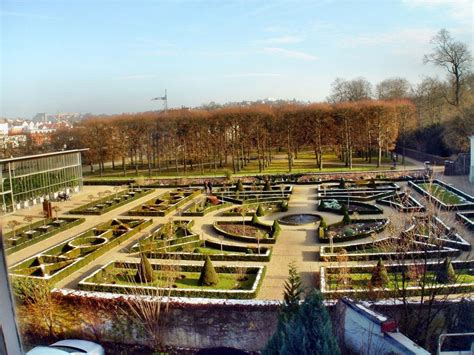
[299, 219]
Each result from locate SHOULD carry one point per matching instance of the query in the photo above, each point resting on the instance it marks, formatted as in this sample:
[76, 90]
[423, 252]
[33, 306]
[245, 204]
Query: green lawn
[305, 163]
[183, 279]
[208, 251]
[442, 194]
[360, 281]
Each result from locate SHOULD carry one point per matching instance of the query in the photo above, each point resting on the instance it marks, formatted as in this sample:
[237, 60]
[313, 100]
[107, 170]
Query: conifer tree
[308, 331]
[260, 211]
[446, 273]
[345, 219]
[208, 275]
[145, 271]
[267, 186]
[293, 290]
[379, 275]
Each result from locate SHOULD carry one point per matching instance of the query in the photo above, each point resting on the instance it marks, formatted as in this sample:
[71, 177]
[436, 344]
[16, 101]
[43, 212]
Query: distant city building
[4, 128]
[29, 180]
[40, 117]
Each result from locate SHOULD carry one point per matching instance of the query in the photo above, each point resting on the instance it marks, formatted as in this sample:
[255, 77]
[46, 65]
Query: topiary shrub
[145, 271]
[255, 219]
[284, 206]
[345, 219]
[276, 228]
[240, 186]
[260, 211]
[323, 224]
[208, 275]
[446, 273]
[267, 186]
[379, 275]
[342, 183]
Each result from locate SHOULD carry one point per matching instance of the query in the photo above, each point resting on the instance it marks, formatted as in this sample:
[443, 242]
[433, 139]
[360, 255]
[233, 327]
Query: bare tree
[12, 225]
[452, 55]
[350, 90]
[147, 304]
[392, 89]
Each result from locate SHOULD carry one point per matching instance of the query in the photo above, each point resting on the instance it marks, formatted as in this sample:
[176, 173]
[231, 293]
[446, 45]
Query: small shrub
[196, 251]
[249, 251]
[208, 275]
[345, 219]
[260, 211]
[379, 275]
[446, 273]
[240, 186]
[284, 206]
[267, 186]
[145, 271]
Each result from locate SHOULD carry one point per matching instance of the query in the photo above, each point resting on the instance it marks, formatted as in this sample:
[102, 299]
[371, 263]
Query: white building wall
[363, 333]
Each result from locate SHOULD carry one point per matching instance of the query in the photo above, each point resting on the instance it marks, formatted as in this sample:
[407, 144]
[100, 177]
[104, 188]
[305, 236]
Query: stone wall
[190, 323]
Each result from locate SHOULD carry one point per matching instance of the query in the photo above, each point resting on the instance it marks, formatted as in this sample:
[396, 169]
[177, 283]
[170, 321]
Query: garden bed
[247, 233]
[118, 277]
[165, 203]
[61, 260]
[467, 218]
[356, 229]
[436, 232]
[110, 202]
[204, 206]
[337, 206]
[359, 277]
[402, 202]
[386, 249]
[443, 195]
[251, 209]
[34, 232]
[168, 237]
[216, 251]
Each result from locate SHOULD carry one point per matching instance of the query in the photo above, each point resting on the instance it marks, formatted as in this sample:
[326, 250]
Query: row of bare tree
[194, 140]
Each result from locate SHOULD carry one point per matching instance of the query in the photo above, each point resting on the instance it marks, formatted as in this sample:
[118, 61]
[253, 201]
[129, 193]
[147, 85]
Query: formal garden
[179, 232]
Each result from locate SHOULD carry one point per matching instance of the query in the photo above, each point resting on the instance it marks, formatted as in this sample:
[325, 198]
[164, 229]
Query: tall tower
[164, 99]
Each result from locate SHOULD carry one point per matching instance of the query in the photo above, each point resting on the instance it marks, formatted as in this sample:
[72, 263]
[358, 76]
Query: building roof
[44, 155]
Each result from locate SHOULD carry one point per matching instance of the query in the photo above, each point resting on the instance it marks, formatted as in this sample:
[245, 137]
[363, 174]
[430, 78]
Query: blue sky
[112, 56]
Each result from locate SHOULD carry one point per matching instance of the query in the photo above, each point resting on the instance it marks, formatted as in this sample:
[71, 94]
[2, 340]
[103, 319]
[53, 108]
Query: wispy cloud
[280, 40]
[137, 77]
[409, 36]
[248, 75]
[289, 53]
[28, 15]
[458, 10]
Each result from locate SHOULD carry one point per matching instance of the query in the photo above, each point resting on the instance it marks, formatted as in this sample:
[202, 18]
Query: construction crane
[164, 99]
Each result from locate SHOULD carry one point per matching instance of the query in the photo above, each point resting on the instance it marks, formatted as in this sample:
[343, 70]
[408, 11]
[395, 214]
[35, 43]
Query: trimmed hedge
[87, 284]
[219, 257]
[460, 207]
[83, 209]
[372, 209]
[379, 229]
[138, 210]
[27, 242]
[79, 263]
[207, 210]
[273, 232]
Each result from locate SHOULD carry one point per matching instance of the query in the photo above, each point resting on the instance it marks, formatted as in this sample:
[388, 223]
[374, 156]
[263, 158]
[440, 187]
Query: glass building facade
[29, 180]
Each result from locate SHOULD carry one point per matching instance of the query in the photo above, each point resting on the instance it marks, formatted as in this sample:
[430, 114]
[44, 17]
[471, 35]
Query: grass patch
[442, 194]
